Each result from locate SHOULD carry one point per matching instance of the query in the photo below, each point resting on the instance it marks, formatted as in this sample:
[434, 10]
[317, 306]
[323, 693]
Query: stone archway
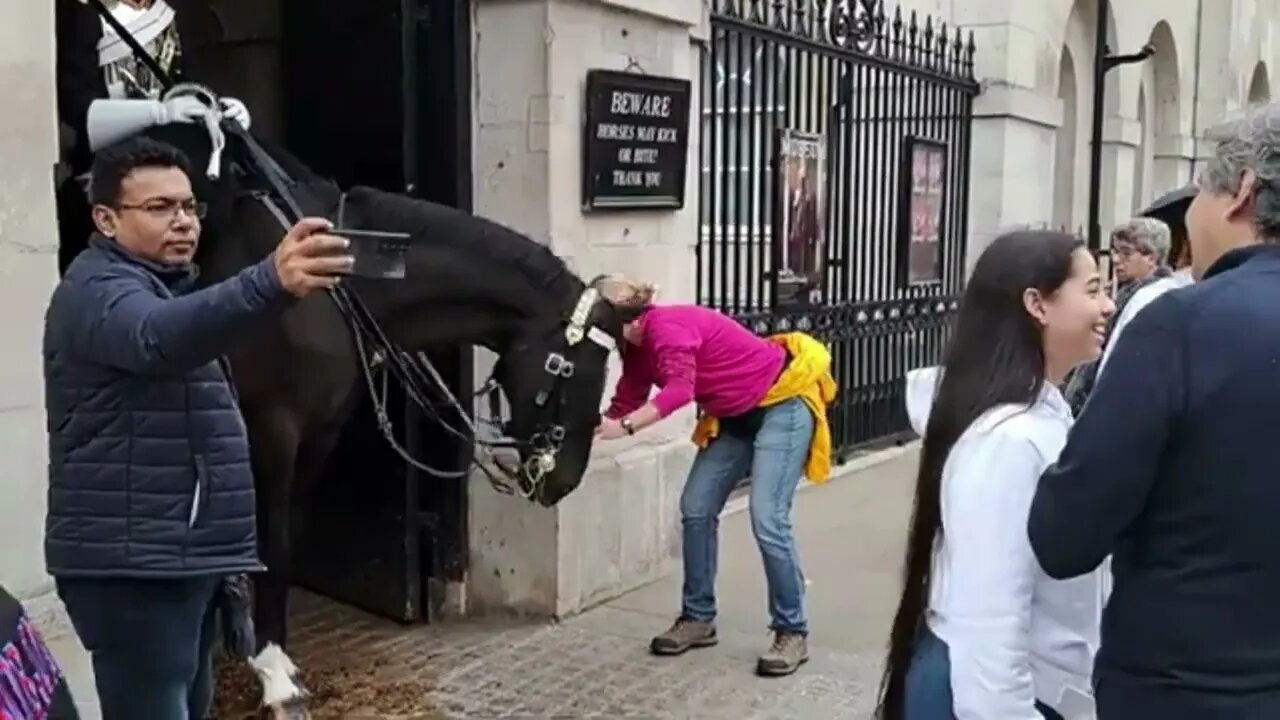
[1142, 156]
[1079, 30]
[1164, 158]
[1065, 144]
[1259, 85]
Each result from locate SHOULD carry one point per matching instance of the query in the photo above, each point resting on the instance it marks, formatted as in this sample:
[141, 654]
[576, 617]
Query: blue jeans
[928, 691]
[775, 460]
[150, 641]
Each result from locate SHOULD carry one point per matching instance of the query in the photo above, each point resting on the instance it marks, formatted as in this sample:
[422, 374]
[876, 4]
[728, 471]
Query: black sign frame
[922, 197]
[600, 157]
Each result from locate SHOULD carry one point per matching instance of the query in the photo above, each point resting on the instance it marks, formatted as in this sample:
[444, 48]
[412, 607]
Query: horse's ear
[596, 280]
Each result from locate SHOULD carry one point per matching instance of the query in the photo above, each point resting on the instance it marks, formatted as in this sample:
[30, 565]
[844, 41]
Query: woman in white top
[981, 632]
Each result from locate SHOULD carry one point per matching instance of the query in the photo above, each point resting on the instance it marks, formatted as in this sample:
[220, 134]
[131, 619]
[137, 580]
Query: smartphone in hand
[378, 255]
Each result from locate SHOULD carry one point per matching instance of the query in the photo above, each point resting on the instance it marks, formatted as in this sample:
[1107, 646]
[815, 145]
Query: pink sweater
[695, 353]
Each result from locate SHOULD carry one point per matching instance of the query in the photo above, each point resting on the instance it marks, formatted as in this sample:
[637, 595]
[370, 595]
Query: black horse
[468, 281]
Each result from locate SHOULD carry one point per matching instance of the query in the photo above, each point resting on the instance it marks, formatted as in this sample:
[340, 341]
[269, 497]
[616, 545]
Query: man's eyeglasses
[162, 209]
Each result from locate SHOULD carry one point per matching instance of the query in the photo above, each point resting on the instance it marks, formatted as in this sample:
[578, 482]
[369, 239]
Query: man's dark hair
[114, 163]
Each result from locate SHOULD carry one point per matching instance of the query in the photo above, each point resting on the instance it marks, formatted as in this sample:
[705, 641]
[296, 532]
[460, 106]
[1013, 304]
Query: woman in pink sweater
[695, 354]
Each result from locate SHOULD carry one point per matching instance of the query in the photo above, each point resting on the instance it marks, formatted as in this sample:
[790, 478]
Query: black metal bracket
[1110, 61]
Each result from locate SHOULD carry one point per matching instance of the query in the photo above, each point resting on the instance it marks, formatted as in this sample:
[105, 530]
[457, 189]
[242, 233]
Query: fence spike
[880, 26]
[913, 38]
[943, 47]
[798, 24]
[957, 53]
[926, 44]
[896, 50]
[969, 51]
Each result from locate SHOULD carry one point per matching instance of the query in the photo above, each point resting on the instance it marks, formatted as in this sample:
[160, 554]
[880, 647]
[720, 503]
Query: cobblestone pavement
[594, 666]
[597, 665]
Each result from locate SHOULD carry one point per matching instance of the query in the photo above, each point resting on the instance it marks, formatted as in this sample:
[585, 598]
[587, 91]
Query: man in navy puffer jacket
[150, 490]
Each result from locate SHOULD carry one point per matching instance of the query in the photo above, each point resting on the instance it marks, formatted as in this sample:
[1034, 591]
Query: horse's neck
[450, 300]
[452, 293]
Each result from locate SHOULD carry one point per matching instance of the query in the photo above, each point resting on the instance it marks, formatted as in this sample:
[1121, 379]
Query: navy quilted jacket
[149, 470]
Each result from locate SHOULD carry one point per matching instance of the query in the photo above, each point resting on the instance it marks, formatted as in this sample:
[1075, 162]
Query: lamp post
[1103, 62]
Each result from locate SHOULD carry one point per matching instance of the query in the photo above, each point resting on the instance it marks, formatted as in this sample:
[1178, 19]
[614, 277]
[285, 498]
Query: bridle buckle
[556, 364]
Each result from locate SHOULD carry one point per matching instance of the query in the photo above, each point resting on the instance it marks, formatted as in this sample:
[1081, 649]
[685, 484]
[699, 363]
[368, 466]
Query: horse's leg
[275, 437]
[313, 455]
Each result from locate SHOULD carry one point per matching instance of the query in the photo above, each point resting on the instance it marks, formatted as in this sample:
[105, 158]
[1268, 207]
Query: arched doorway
[1142, 156]
[1163, 166]
[1260, 85]
[1064, 165]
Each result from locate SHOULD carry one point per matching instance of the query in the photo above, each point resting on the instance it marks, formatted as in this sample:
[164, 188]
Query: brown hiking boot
[788, 652]
[684, 634]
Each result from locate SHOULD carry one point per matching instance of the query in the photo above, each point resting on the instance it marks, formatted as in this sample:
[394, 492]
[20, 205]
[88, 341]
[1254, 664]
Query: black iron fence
[834, 187]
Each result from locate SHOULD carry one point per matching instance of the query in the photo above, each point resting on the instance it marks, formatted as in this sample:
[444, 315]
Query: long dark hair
[995, 358]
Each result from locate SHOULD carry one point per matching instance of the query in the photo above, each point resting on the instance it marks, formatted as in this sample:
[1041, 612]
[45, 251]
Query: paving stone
[509, 669]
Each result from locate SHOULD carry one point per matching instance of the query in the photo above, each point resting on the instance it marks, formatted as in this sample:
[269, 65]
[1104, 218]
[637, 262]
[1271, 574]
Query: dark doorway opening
[375, 93]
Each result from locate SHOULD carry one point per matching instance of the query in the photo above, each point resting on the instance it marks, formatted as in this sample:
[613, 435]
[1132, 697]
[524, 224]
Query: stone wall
[620, 528]
[28, 271]
[1035, 65]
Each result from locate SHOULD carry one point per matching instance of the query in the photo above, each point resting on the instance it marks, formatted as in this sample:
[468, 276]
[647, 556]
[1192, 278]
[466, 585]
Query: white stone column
[620, 528]
[1011, 179]
[1120, 139]
[1011, 176]
[28, 272]
[1172, 166]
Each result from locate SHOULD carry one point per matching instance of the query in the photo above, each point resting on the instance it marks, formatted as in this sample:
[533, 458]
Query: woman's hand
[610, 429]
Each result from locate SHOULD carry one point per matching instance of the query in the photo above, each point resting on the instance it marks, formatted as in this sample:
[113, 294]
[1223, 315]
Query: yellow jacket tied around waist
[808, 377]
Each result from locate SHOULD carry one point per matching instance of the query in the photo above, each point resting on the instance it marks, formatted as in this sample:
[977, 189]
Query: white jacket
[1014, 634]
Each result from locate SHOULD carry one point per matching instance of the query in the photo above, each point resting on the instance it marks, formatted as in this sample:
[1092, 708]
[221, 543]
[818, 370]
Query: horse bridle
[416, 373]
[543, 444]
[377, 356]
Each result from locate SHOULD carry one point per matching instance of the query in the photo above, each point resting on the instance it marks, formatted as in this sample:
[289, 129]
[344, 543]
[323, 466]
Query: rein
[415, 372]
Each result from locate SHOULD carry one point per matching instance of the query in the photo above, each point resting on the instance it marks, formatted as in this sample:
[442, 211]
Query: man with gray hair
[1172, 469]
[1141, 251]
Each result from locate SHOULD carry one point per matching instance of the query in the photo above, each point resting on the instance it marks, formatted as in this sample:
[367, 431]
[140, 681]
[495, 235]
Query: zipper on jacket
[201, 494]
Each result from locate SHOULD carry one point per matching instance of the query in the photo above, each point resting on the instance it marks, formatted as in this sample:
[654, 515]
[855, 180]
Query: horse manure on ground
[348, 688]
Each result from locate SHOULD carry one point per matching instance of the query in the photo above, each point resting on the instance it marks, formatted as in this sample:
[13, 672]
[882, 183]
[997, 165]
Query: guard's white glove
[113, 120]
[233, 109]
[180, 109]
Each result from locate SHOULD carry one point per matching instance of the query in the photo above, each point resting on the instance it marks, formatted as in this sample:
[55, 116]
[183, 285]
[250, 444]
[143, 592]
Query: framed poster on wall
[921, 199]
[799, 232]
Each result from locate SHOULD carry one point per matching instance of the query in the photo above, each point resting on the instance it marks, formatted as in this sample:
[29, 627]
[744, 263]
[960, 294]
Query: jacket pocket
[200, 494]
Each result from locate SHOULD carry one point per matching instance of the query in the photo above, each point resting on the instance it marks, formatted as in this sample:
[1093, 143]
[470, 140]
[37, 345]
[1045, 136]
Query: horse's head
[554, 376]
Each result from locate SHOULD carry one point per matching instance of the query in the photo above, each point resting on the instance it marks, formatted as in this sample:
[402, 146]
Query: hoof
[295, 709]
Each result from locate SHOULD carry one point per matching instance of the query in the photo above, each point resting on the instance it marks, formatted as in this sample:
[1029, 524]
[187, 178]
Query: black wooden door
[369, 99]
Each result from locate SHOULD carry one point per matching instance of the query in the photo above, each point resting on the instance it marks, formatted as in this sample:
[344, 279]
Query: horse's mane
[435, 223]
[427, 221]
[374, 209]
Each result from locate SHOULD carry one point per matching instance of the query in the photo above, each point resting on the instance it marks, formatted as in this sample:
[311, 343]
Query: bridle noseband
[542, 445]
[548, 436]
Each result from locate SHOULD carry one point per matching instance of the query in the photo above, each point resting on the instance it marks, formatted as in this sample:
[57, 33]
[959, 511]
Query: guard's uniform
[93, 63]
